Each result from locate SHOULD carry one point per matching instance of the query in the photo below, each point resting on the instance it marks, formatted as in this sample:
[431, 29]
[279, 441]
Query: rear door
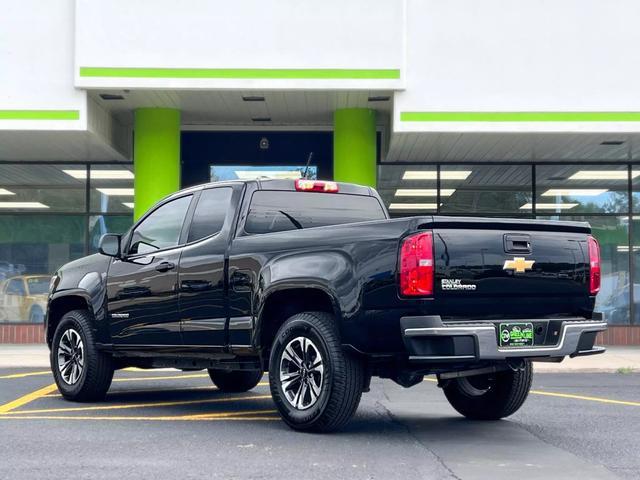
[203, 285]
[142, 288]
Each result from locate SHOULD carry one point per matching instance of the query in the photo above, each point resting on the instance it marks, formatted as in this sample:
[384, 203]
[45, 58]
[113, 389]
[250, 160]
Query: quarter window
[210, 213]
[161, 229]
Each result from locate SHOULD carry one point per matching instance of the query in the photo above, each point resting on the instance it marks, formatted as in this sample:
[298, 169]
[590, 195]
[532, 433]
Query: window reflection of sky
[235, 172]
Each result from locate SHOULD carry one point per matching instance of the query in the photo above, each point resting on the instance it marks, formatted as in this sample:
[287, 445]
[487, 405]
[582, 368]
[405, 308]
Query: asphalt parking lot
[169, 424]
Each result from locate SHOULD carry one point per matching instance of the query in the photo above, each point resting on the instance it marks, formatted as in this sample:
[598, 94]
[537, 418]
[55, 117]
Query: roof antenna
[306, 169]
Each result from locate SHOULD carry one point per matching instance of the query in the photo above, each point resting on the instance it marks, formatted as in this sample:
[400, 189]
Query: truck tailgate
[497, 268]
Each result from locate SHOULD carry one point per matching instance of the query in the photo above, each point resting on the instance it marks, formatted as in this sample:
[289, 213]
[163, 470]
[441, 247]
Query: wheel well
[283, 304]
[59, 307]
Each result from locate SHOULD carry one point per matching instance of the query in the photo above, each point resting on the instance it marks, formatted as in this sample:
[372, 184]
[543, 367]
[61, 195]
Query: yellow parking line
[138, 405]
[228, 414]
[572, 396]
[160, 390]
[28, 374]
[28, 398]
[143, 419]
[582, 397]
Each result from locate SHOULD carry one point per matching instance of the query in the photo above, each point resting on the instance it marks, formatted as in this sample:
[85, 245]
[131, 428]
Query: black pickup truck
[314, 283]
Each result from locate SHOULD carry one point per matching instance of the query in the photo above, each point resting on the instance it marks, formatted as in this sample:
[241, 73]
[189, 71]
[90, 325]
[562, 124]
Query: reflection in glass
[486, 189]
[409, 189]
[32, 247]
[111, 188]
[101, 224]
[578, 189]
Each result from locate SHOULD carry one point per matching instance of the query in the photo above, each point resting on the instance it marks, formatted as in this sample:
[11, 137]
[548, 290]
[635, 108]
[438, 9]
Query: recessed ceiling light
[412, 206]
[17, 205]
[433, 175]
[602, 175]
[116, 192]
[282, 174]
[128, 204]
[549, 206]
[111, 96]
[261, 119]
[4, 191]
[612, 142]
[423, 192]
[253, 98]
[101, 174]
[578, 192]
[379, 98]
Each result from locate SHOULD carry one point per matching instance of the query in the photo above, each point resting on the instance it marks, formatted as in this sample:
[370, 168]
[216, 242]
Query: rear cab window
[278, 210]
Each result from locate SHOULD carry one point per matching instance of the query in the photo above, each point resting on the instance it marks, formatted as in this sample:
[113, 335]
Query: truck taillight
[416, 265]
[304, 185]
[594, 266]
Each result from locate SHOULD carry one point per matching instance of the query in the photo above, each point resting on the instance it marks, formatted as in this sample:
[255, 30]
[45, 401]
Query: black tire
[340, 383]
[235, 381]
[490, 397]
[94, 380]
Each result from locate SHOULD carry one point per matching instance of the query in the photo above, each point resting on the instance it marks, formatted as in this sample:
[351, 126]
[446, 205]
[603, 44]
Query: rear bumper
[427, 338]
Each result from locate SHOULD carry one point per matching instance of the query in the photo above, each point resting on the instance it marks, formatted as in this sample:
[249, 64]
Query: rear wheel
[316, 386]
[81, 371]
[492, 396]
[235, 381]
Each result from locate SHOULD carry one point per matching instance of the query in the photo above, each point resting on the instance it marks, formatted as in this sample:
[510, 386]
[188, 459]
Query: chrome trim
[487, 343]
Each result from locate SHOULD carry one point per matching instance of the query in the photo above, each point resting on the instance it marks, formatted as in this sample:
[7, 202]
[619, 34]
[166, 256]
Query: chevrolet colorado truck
[314, 283]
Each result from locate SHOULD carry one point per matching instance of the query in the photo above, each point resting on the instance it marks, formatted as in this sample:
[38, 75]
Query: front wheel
[82, 372]
[315, 385]
[491, 396]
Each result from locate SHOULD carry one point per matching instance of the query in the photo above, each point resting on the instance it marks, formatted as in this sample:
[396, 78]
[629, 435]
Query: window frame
[196, 201]
[181, 238]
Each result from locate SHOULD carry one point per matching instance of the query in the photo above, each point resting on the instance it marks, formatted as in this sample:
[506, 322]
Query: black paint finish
[214, 301]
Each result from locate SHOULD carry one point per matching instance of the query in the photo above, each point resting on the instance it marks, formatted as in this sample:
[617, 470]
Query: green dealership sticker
[516, 334]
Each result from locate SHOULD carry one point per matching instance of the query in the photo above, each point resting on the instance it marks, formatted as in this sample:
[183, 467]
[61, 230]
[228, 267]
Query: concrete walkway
[615, 359]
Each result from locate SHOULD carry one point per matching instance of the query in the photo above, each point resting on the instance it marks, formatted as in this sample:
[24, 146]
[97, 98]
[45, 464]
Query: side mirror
[110, 245]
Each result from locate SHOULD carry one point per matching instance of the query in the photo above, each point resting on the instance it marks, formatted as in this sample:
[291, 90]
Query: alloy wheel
[70, 356]
[301, 373]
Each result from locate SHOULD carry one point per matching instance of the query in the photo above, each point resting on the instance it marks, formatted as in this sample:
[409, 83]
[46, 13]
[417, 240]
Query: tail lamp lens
[594, 266]
[416, 265]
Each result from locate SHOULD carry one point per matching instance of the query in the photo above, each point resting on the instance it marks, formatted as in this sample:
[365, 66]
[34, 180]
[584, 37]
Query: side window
[16, 287]
[162, 228]
[210, 213]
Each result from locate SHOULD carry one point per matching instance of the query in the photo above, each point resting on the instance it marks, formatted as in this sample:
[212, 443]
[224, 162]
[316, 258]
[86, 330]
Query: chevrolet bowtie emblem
[518, 264]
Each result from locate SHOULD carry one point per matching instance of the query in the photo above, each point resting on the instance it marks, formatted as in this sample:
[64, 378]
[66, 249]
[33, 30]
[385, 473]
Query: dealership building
[460, 107]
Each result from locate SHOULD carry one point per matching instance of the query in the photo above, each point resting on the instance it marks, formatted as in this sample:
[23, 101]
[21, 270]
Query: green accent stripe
[520, 116]
[252, 73]
[39, 114]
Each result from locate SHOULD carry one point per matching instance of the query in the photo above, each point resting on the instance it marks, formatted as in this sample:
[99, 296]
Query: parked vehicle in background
[314, 283]
[24, 298]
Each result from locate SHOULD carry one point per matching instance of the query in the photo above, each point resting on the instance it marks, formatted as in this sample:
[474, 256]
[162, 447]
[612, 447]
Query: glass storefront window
[408, 189]
[45, 222]
[486, 189]
[582, 189]
[41, 188]
[111, 188]
[101, 224]
[32, 247]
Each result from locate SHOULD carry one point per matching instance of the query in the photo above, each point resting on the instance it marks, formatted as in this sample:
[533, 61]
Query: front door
[142, 288]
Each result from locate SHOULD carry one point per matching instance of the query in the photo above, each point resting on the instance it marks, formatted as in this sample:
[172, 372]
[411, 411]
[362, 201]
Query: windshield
[38, 285]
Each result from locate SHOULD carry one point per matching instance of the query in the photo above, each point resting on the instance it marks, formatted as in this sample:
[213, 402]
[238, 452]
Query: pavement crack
[415, 438]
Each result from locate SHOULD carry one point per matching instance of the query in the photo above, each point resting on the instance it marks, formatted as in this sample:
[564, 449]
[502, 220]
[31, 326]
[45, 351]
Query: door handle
[165, 266]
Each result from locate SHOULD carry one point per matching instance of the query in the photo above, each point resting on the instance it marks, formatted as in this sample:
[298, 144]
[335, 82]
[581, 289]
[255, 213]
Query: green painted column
[354, 146]
[156, 156]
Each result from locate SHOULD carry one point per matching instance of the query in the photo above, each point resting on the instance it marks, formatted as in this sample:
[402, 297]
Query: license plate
[518, 334]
